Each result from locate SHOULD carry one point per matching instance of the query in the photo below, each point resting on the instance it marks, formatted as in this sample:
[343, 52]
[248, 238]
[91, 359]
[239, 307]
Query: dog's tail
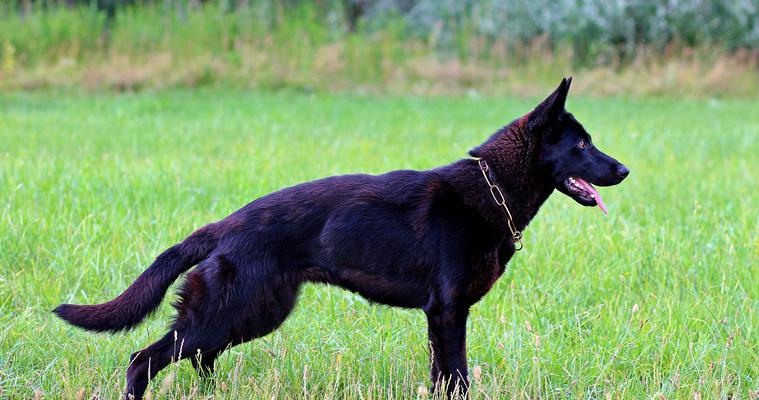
[145, 294]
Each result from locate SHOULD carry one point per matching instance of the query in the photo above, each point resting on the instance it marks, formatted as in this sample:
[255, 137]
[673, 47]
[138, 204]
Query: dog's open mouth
[584, 192]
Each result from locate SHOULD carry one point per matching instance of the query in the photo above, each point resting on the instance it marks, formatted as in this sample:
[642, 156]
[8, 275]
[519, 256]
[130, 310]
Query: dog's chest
[487, 271]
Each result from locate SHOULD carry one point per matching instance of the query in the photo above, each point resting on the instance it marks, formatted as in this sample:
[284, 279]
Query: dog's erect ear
[552, 106]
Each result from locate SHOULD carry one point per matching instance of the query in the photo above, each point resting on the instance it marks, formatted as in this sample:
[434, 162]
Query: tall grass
[433, 46]
[47, 35]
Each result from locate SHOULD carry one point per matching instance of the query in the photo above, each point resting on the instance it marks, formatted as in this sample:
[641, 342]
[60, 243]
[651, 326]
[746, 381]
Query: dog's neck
[511, 154]
[524, 194]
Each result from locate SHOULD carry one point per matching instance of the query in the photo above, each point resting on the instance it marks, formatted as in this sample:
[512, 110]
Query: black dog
[435, 240]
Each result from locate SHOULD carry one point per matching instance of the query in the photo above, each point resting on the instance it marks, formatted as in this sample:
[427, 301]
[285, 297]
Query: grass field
[659, 299]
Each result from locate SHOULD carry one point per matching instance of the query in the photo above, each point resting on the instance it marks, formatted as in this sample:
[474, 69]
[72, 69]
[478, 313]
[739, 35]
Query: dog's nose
[622, 171]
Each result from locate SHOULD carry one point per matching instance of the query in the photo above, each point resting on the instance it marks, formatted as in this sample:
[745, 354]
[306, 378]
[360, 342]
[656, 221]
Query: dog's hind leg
[271, 301]
[220, 305]
[145, 364]
[183, 342]
[231, 301]
[203, 362]
[201, 327]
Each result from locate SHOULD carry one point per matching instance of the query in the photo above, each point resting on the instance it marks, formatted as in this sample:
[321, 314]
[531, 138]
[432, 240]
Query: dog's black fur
[433, 240]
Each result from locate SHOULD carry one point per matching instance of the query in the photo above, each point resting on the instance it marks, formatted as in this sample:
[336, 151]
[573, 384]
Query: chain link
[500, 200]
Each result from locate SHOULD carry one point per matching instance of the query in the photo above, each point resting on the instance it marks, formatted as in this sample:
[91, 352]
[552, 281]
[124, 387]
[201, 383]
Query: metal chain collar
[499, 198]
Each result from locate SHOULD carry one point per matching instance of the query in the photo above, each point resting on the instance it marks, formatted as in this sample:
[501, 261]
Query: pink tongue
[596, 195]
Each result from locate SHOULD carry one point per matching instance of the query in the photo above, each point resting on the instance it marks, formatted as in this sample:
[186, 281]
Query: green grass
[659, 297]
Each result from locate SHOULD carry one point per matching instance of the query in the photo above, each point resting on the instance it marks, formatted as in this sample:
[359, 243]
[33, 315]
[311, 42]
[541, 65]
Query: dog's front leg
[447, 335]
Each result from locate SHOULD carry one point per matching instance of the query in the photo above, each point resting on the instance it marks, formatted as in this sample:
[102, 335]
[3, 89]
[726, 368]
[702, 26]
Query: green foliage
[593, 31]
[423, 46]
[52, 34]
[658, 297]
[596, 30]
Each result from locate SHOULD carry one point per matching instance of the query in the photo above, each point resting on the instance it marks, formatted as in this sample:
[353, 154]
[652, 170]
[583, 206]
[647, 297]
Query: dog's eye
[581, 144]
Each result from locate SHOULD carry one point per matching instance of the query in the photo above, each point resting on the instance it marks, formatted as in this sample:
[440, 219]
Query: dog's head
[567, 155]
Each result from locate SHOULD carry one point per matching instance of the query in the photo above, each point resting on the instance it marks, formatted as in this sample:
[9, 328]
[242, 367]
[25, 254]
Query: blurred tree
[354, 10]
